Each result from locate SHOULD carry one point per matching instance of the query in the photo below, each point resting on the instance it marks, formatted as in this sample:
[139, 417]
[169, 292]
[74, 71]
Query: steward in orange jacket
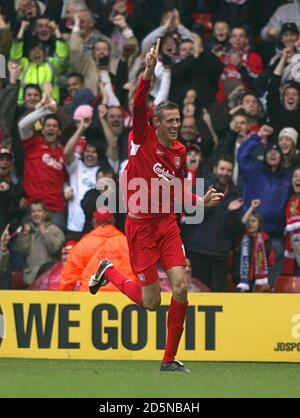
[105, 241]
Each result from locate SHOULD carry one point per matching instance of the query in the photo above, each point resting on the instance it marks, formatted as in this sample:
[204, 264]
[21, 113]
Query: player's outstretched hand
[212, 198]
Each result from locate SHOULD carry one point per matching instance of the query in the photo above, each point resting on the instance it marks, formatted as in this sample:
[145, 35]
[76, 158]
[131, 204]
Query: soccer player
[153, 237]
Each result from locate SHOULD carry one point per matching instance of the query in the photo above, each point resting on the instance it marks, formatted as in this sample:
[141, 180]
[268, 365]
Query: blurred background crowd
[69, 72]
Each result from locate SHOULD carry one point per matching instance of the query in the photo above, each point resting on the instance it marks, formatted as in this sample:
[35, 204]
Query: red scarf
[292, 227]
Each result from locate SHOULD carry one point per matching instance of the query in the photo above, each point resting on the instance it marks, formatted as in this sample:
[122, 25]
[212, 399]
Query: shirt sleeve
[71, 168]
[140, 112]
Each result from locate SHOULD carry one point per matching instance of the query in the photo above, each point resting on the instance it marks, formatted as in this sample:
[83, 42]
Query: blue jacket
[273, 189]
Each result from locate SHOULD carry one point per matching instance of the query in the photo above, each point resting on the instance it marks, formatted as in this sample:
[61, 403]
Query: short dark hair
[78, 75]
[106, 170]
[164, 106]
[54, 117]
[32, 86]
[226, 158]
[260, 219]
[38, 202]
[241, 112]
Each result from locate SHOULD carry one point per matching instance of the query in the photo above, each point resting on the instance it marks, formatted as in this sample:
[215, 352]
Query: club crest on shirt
[178, 162]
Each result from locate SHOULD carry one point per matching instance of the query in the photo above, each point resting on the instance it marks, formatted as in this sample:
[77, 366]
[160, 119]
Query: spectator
[291, 265]
[197, 133]
[255, 254]
[208, 244]
[170, 23]
[283, 106]
[85, 25]
[36, 68]
[49, 276]
[285, 14]
[39, 242]
[10, 190]
[218, 43]
[268, 182]
[238, 134]
[105, 241]
[44, 173]
[196, 166]
[4, 251]
[8, 101]
[82, 175]
[89, 201]
[99, 65]
[240, 61]
[288, 141]
[241, 12]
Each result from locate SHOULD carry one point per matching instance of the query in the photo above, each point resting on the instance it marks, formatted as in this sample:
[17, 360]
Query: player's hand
[152, 56]
[212, 198]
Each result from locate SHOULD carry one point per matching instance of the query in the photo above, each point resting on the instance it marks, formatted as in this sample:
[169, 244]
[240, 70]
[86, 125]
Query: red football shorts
[153, 240]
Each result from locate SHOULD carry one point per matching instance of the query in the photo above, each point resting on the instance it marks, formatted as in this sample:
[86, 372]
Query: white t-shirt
[82, 179]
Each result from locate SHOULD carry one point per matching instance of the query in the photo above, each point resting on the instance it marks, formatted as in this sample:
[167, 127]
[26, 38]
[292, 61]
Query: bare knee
[151, 304]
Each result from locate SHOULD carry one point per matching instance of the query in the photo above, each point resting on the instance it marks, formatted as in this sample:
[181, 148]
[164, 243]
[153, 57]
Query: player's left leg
[176, 317]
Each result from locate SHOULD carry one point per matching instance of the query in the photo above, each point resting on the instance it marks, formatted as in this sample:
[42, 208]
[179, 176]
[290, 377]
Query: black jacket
[215, 235]
[280, 117]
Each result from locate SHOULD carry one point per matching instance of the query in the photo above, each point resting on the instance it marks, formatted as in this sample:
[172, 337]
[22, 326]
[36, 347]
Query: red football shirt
[44, 173]
[150, 160]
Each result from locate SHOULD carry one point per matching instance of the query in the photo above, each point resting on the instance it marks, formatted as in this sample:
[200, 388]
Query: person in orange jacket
[104, 241]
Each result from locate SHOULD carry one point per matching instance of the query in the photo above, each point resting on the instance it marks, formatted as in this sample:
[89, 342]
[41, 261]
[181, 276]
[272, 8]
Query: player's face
[169, 124]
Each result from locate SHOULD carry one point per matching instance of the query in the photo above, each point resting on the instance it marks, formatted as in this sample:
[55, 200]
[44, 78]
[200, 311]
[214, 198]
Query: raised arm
[26, 124]
[140, 110]
[71, 144]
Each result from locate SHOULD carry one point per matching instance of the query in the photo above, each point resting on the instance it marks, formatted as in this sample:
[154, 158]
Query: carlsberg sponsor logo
[163, 173]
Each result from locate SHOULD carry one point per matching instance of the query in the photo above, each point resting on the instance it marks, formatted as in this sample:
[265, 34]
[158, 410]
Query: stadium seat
[287, 284]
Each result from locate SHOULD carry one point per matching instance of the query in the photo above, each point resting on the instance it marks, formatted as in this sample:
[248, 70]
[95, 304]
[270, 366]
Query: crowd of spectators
[66, 99]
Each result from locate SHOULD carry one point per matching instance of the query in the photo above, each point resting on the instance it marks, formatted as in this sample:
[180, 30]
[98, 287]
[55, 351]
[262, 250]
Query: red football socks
[176, 318]
[128, 287]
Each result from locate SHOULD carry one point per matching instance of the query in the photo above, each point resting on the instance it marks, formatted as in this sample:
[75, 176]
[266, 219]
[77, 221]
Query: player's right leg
[146, 293]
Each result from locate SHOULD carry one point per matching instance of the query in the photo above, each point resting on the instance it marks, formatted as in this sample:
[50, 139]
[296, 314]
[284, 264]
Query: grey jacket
[284, 14]
[39, 249]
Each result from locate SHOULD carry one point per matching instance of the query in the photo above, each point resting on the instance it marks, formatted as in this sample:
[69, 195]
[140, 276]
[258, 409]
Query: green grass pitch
[125, 379]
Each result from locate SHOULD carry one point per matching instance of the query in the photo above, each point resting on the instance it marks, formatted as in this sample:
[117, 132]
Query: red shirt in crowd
[44, 173]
